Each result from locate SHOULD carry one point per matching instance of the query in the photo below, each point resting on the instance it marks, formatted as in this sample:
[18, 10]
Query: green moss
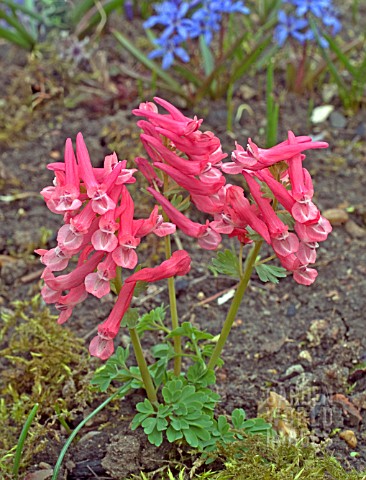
[43, 363]
[256, 458]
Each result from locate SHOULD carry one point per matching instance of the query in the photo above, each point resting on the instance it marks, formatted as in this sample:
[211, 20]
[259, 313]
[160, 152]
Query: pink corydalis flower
[207, 237]
[102, 345]
[255, 158]
[174, 121]
[65, 195]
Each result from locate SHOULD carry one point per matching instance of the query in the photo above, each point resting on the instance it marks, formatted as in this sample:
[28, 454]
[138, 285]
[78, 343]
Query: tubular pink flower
[304, 275]
[55, 259]
[98, 283]
[148, 171]
[102, 345]
[242, 214]
[66, 303]
[275, 226]
[153, 224]
[74, 278]
[255, 158]
[212, 203]
[190, 183]
[190, 228]
[196, 146]
[49, 295]
[124, 254]
[313, 232]
[307, 252]
[159, 153]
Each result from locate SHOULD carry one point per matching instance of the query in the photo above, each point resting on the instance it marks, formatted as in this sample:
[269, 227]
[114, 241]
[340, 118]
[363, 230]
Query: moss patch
[43, 363]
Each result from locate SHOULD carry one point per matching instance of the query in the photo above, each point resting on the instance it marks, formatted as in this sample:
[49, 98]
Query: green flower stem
[177, 341]
[244, 280]
[145, 374]
[118, 279]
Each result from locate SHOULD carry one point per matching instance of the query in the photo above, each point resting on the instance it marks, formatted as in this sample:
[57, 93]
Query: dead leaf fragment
[349, 437]
[284, 418]
[347, 406]
[39, 475]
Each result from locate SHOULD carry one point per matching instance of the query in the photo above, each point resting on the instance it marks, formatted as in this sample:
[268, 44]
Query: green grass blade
[15, 38]
[21, 8]
[20, 30]
[208, 60]
[340, 55]
[79, 10]
[23, 436]
[147, 62]
[122, 390]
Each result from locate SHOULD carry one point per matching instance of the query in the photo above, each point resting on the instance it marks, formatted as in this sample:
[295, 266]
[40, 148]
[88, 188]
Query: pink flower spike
[192, 229]
[190, 183]
[314, 232]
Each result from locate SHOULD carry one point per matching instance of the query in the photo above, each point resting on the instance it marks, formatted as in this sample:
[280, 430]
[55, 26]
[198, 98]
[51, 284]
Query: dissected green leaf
[226, 263]
[270, 273]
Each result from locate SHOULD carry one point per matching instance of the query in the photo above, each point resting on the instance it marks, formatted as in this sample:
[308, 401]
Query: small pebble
[291, 311]
[336, 216]
[294, 370]
[349, 437]
[355, 230]
[337, 120]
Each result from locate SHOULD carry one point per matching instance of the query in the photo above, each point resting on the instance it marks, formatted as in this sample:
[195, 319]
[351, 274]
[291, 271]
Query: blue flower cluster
[183, 20]
[297, 26]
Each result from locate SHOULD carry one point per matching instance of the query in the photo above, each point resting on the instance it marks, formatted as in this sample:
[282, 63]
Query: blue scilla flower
[228, 6]
[172, 15]
[290, 26]
[168, 48]
[316, 7]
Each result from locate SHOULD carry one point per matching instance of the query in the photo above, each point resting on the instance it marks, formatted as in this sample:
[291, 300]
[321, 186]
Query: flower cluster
[184, 20]
[297, 25]
[101, 232]
[193, 160]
